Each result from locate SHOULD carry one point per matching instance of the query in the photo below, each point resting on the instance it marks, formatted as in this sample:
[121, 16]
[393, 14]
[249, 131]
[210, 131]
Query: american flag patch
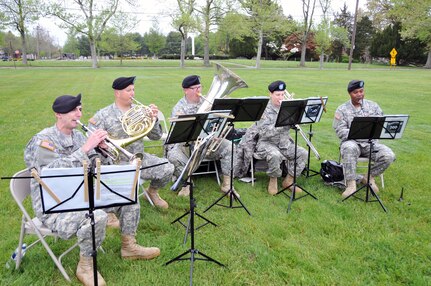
[47, 145]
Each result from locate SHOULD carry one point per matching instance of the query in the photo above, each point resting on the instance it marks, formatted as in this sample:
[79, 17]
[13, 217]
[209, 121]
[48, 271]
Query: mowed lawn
[319, 242]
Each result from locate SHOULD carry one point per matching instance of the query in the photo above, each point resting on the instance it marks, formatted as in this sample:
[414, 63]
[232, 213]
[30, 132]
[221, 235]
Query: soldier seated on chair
[61, 145]
[275, 144]
[108, 119]
[178, 154]
[351, 150]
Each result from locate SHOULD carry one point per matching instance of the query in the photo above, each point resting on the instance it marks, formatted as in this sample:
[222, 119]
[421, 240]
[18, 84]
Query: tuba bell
[224, 82]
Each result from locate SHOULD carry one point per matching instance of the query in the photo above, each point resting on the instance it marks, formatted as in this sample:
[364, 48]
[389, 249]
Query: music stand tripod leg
[231, 192]
[192, 250]
[294, 184]
[368, 185]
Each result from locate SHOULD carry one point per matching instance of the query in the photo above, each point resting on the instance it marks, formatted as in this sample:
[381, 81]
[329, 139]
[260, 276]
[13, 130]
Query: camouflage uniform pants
[69, 224]
[128, 216]
[275, 156]
[179, 155]
[159, 176]
[382, 156]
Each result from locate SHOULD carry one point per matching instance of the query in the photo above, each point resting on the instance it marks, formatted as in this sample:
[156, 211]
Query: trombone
[289, 96]
[114, 149]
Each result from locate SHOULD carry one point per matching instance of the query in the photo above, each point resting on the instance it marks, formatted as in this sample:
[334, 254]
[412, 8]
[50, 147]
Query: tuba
[224, 83]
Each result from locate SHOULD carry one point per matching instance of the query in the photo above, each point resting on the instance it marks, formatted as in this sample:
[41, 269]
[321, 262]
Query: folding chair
[205, 168]
[20, 190]
[258, 164]
[363, 164]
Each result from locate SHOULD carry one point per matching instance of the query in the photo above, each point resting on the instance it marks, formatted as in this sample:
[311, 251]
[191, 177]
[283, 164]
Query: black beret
[66, 103]
[355, 84]
[190, 81]
[123, 82]
[278, 85]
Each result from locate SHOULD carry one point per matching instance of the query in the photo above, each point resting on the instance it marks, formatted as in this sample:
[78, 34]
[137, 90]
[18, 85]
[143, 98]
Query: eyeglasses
[196, 87]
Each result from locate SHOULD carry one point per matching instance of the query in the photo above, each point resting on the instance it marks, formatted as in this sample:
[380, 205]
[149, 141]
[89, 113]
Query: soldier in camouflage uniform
[108, 119]
[275, 144]
[62, 146]
[178, 154]
[351, 150]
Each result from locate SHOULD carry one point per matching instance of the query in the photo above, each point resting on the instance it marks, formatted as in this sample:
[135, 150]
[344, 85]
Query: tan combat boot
[350, 188]
[157, 200]
[272, 186]
[373, 184]
[85, 273]
[185, 191]
[131, 250]
[288, 181]
[113, 221]
[225, 186]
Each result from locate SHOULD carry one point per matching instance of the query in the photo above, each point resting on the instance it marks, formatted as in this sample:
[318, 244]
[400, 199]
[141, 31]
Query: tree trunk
[259, 49]
[428, 63]
[207, 47]
[303, 50]
[321, 57]
[24, 48]
[93, 53]
[183, 52]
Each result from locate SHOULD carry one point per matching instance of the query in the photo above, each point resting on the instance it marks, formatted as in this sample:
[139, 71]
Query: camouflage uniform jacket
[346, 112]
[268, 133]
[108, 119]
[184, 107]
[52, 149]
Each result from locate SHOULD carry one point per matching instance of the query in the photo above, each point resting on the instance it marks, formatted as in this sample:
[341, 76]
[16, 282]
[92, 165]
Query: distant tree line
[243, 29]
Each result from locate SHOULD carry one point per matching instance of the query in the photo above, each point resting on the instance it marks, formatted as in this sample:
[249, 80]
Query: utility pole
[353, 36]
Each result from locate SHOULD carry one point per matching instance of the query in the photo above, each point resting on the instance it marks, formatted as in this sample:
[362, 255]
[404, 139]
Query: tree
[184, 22]
[263, 17]
[364, 35]
[415, 17]
[122, 24]
[154, 40]
[173, 43]
[308, 12]
[91, 20]
[20, 14]
[323, 33]
[226, 34]
[343, 20]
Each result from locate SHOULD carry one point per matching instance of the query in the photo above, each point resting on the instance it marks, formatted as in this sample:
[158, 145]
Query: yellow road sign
[393, 53]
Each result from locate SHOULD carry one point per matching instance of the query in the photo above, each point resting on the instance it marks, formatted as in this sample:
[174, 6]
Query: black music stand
[313, 112]
[187, 129]
[80, 194]
[193, 163]
[292, 112]
[248, 109]
[376, 127]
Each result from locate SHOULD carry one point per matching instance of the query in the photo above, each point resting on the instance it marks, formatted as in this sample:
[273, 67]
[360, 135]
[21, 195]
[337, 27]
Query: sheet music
[68, 185]
[394, 125]
[313, 109]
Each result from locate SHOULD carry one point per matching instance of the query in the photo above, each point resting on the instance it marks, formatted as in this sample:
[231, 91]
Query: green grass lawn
[319, 242]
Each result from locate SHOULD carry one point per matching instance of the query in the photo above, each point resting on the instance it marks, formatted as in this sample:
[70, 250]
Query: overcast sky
[159, 10]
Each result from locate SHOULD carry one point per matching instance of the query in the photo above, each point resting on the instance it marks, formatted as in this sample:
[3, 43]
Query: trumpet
[114, 148]
[289, 96]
